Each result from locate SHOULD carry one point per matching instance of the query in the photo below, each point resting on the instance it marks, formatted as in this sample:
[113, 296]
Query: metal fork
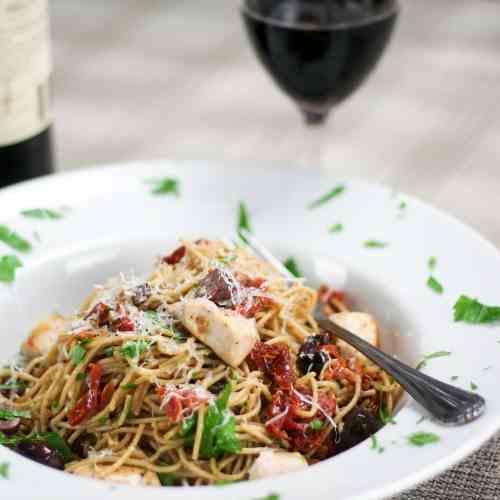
[448, 404]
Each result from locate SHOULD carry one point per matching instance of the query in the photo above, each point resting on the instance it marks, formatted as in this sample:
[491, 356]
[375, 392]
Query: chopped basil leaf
[402, 205]
[52, 439]
[326, 197]
[381, 449]
[454, 377]
[81, 376]
[8, 266]
[219, 428]
[271, 496]
[375, 244]
[224, 482]
[42, 213]
[434, 284]
[4, 470]
[129, 387]
[103, 420]
[166, 479]
[432, 355]
[473, 386]
[374, 444]
[54, 406]
[78, 354]
[7, 414]
[423, 438]
[316, 425]
[431, 263]
[135, 348]
[292, 266]
[243, 220]
[13, 385]
[14, 240]
[384, 415]
[336, 228]
[108, 352]
[472, 311]
[165, 186]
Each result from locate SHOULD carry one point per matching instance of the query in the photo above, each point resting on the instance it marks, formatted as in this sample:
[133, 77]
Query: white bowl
[115, 224]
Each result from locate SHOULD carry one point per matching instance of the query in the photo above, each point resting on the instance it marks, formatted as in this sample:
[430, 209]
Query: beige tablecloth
[177, 79]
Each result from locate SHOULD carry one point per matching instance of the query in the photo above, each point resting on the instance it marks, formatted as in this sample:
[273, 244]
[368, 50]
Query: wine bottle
[25, 70]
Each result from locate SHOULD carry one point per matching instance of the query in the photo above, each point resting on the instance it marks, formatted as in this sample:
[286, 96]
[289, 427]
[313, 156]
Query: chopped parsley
[375, 244]
[129, 387]
[166, 185]
[402, 205]
[432, 355]
[219, 428]
[81, 376]
[103, 420]
[13, 385]
[472, 311]
[316, 425]
[473, 386]
[166, 479]
[42, 213]
[434, 285]
[52, 439]
[385, 415]
[423, 438]
[14, 240]
[374, 444]
[78, 353]
[4, 470]
[8, 266]
[336, 191]
[336, 228]
[108, 352]
[7, 414]
[291, 265]
[243, 220]
[431, 263]
[134, 349]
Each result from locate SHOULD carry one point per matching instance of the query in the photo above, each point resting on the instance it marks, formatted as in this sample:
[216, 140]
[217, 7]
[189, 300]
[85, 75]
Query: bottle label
[25, 68]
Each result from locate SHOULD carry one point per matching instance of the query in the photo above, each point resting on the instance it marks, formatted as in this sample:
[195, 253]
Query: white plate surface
[115, 224]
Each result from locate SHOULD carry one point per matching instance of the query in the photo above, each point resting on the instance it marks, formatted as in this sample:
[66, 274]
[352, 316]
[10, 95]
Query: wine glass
[319, 51]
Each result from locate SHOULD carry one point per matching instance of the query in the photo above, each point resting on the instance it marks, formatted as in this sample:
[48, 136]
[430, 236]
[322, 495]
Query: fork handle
[447, 403]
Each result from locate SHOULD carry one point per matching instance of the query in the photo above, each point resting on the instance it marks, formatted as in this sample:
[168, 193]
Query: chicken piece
[44, 336]
[228, 334]
[361, 324]
[274, 462]
[133, 476]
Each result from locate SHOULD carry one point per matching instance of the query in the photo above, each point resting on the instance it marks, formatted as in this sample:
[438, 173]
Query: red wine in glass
[319, 51]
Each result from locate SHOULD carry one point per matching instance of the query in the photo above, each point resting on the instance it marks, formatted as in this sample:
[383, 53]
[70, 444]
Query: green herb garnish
[327, 197]
[42, 213]
[7, 414]
[432, 355]
[402, 205]
[166, 479]
[473, 386]
[316, 425]
[81, 376]
[434, 284]
[374, 444]
[103, 420]
[384, 415]
[129, 387]
[271, 496]
[108, 352]
[78, 354]
[292, 266]
[224, 482]
[243, 220]
[431, 263]
[52, 439]
[472, 311]
[166, 185]
[336, 228]
[4, 470]
[8, 266]
[13, 385]
[375, 244]
[14, 240]
[423, 438]
[134, 349]
[219, 428]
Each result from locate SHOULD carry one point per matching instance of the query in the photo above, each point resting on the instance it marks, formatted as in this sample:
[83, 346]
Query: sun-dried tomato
[253, 305]
[106, 395]
[88, 404]
[101, 313]
[175, 256]
[274, 360]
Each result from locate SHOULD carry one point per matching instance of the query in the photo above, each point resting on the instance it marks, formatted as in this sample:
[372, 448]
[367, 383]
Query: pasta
[194, 376]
